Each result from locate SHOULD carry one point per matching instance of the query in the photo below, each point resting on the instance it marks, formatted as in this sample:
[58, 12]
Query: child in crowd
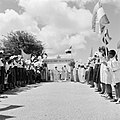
[115, 68]
[103, 73]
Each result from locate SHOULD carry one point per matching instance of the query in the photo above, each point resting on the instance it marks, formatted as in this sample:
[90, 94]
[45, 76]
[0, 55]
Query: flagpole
[106, 32]
[98, 14]
[117, 55]
[118, 51]
[106, 52]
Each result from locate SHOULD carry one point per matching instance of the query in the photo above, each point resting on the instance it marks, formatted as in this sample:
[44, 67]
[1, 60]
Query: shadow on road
[10, 107]
[3, 96]
[4, 117]
[18, 90]
[21, 89]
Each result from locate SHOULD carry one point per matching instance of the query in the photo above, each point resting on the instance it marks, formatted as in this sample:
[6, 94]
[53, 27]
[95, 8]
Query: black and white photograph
[59, 59]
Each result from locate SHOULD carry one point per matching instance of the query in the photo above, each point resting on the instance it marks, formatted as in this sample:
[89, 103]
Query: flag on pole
[25, 56]
[106, 38]
[100, 19]
[94, 18]
[69, 51]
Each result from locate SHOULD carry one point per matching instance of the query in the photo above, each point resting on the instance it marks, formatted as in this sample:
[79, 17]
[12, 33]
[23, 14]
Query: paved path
[57, 101]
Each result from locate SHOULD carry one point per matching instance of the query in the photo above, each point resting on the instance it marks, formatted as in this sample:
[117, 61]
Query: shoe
[109, 98]
[113, 100]
[104, 95]
[101, 92]
[118, 102]
[92, 86]
[97, 90]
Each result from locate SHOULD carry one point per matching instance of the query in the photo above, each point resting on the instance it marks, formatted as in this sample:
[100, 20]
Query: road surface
[57, 101]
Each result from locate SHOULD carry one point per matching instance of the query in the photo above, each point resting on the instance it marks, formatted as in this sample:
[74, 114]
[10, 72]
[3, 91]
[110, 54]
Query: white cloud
[81, 3]
[113, 2]
[54, 22]
[59, 21]
[11, 20]
[77, 3]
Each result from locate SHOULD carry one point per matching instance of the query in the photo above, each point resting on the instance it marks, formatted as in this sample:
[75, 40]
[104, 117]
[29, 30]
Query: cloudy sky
[60, 23]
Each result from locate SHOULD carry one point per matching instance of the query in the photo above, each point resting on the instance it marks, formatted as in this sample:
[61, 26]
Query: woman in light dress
[115, 69]
[66, 73]
[75, 74]
[103, 69]
[62, 74]
[105, 74]
[51, 75]
[56, 75]
[81, 73]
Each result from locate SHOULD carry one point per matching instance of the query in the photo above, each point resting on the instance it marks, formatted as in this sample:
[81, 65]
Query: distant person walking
[66, 73]
[62, 74]
[56, 74]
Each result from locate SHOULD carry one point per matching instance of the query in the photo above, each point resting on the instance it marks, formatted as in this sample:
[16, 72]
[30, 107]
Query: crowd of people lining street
[17, 72]
[103, 74]
[100, 72]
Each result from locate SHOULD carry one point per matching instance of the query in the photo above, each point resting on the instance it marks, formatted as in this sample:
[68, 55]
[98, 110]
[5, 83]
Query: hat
[112, 52]
[12, 57]
[1, 51]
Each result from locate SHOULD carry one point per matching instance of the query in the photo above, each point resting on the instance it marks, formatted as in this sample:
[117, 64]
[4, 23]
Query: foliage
[15, 41]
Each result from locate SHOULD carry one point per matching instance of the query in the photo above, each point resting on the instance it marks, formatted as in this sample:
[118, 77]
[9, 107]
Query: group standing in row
[102, 72]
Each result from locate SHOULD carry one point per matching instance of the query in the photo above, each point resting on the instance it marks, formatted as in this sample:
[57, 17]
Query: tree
[15, 41]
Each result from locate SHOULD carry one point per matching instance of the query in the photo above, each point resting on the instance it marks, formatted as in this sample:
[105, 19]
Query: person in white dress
[81, 73]
[62, 74]
[51, 75]
[56, 74]
[103, 68]
[108, 81]
[66, 73]
[115, 68]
